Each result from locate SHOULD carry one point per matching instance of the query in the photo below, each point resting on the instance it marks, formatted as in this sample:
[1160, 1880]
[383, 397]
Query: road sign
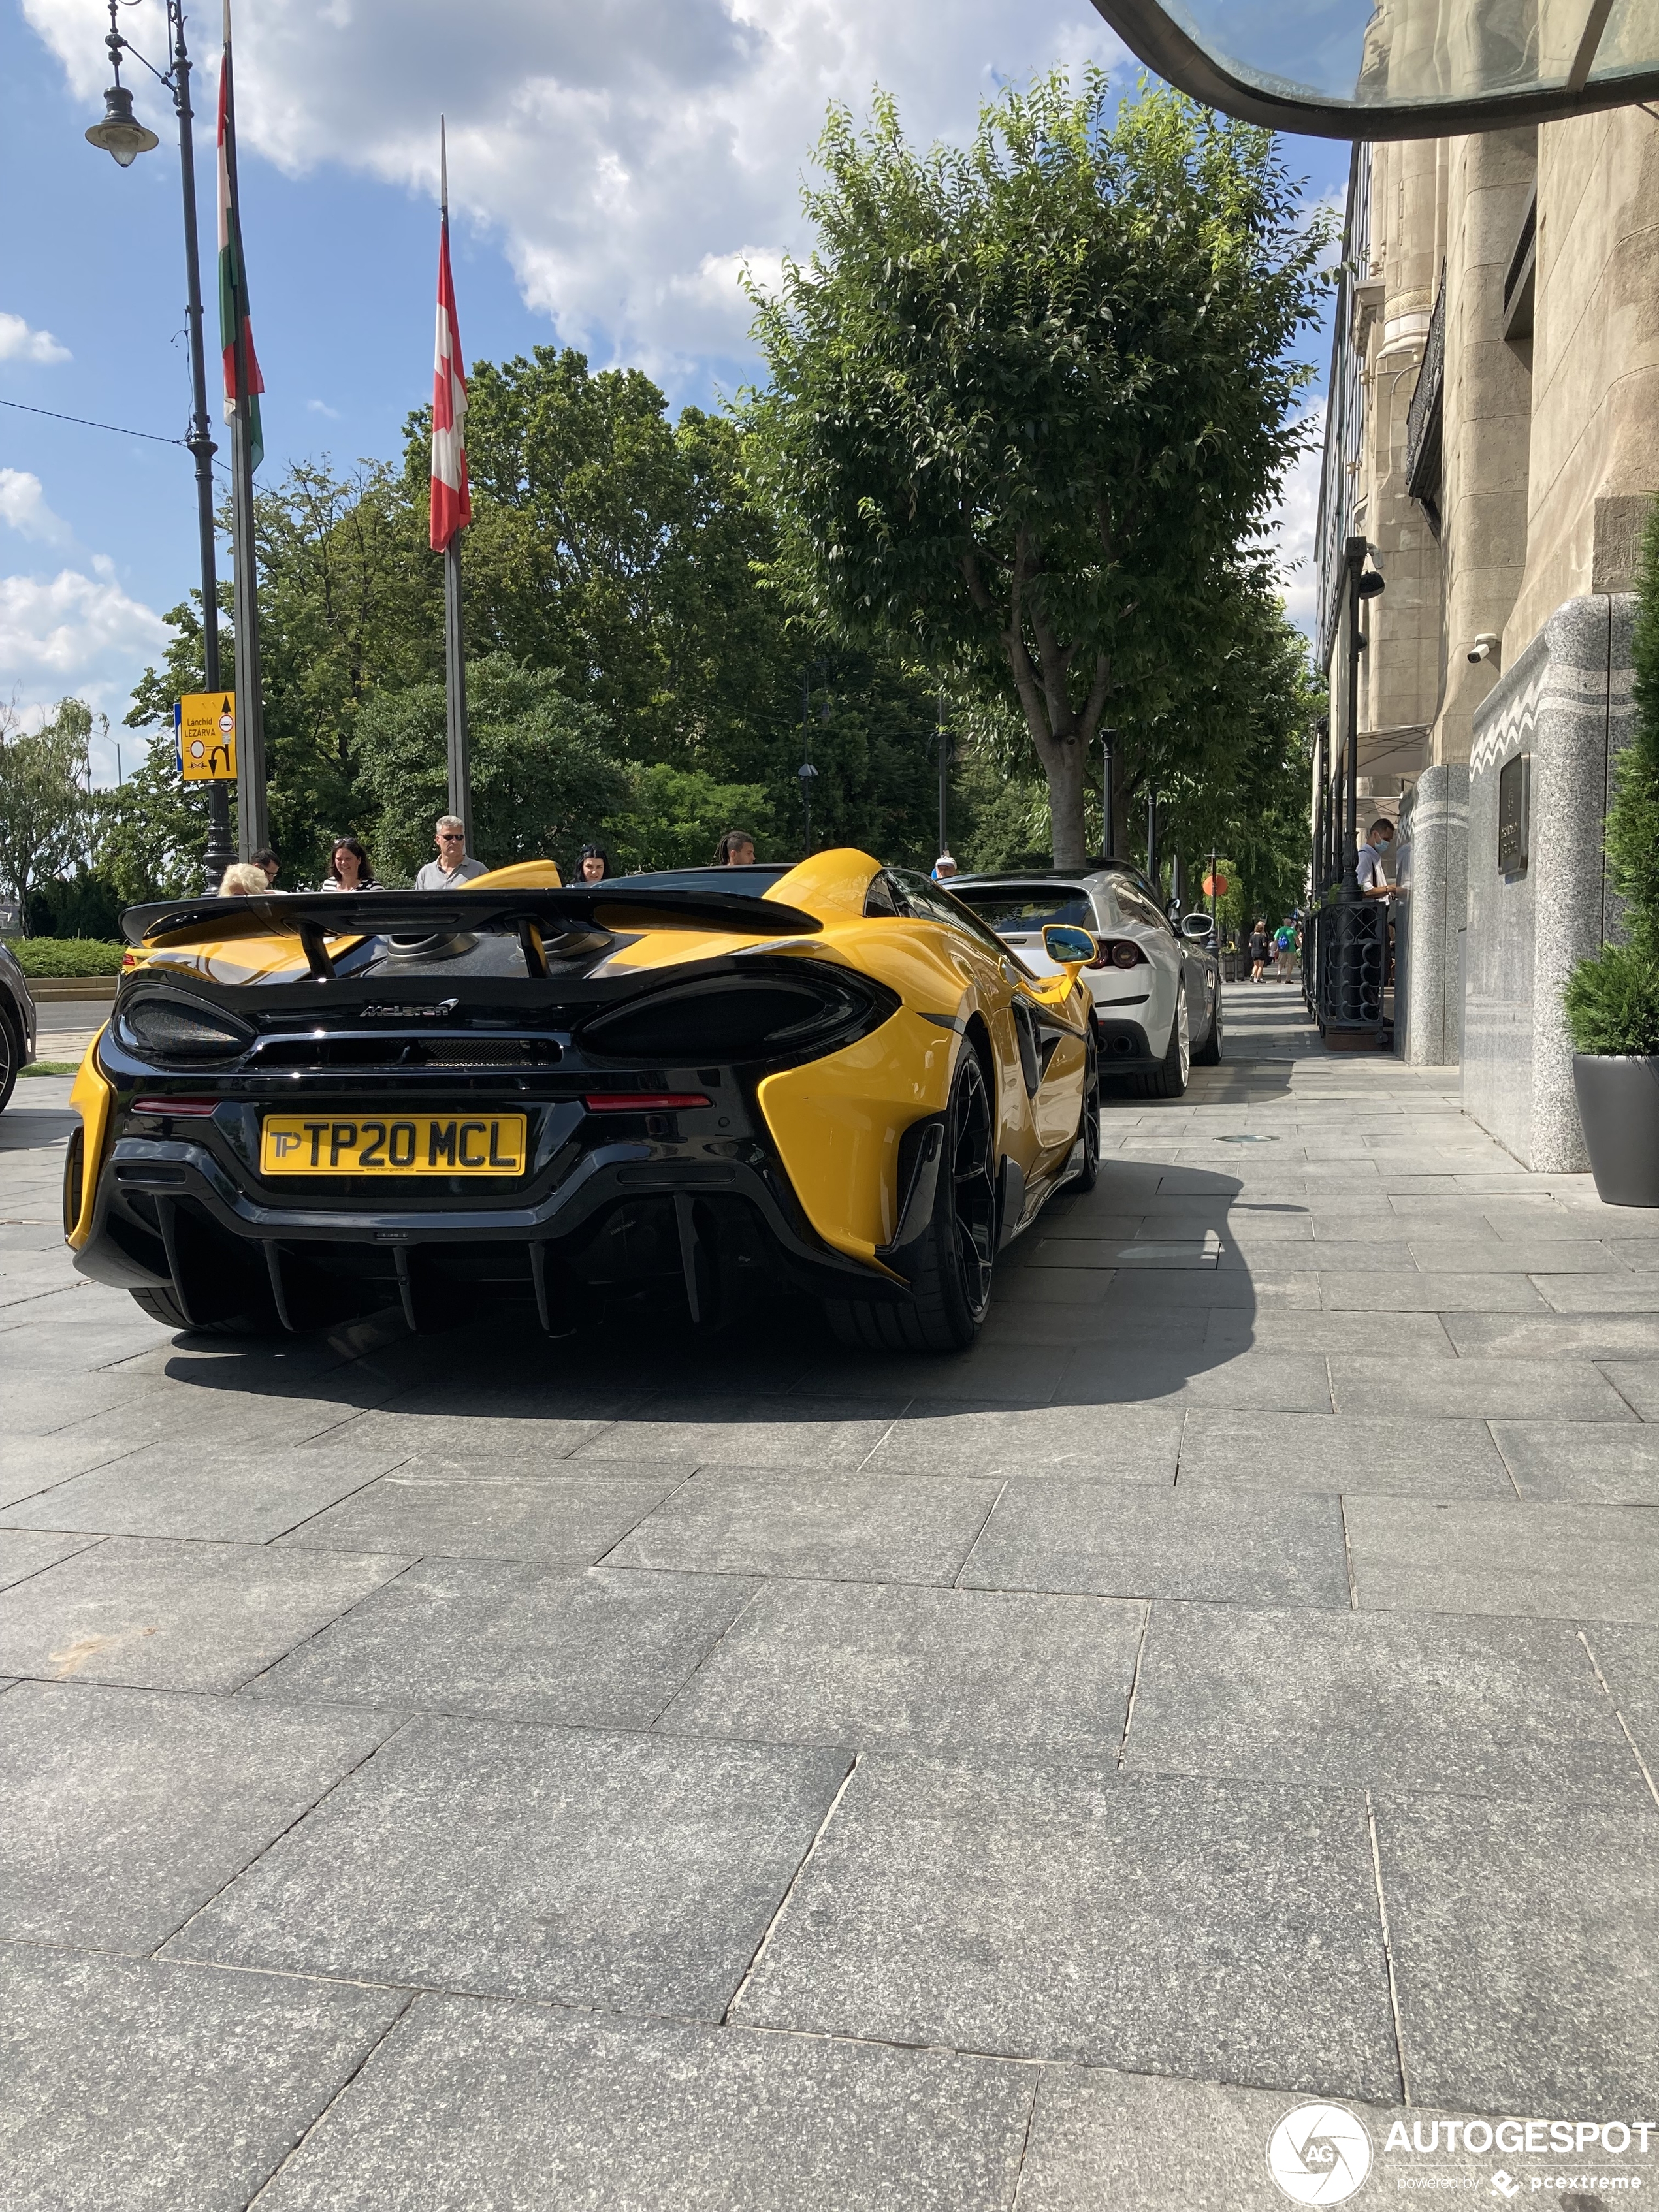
[1215, 887]
[204, 727]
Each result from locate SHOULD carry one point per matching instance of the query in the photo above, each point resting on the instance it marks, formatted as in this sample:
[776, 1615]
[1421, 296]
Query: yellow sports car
[709, 1084]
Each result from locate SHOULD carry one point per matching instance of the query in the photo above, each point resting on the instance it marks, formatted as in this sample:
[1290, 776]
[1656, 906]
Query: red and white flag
[452, 503]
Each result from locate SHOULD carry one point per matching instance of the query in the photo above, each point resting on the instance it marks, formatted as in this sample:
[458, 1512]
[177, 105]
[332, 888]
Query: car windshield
[1025, 909]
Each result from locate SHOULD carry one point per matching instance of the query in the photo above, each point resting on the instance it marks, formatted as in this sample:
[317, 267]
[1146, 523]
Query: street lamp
[806, 772]
[123, 137]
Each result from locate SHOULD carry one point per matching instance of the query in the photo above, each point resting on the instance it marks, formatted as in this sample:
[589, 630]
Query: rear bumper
[1124, 1049]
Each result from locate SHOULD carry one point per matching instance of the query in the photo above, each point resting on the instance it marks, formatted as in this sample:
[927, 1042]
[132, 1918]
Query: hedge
[67, 956]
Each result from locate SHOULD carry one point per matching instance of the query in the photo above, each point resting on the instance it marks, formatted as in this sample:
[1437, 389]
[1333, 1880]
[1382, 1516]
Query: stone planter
[1619, 1111]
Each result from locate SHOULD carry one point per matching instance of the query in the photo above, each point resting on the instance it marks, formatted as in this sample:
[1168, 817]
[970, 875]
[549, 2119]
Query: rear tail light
[642, 1101]
[189, 1109]
[1119, 952]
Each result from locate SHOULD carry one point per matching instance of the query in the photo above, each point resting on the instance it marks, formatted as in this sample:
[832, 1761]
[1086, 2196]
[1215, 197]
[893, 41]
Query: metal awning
[1397, 68]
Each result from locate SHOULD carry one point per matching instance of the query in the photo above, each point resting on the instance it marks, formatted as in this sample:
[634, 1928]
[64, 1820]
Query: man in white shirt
[454, 864]
[1371, 865]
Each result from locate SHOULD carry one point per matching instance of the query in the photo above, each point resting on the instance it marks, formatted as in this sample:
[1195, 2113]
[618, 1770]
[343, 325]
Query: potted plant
[1612, 999]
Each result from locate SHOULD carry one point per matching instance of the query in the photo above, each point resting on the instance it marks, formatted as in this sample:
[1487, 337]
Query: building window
[1424, 418]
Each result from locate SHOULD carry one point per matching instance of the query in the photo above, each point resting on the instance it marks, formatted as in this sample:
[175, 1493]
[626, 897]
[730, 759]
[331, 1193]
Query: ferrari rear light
[642, 1102]
[190, 1108]
[1119, 952]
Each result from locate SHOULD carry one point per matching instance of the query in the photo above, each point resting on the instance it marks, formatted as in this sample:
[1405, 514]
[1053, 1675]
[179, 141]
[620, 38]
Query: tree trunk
[1063, 764]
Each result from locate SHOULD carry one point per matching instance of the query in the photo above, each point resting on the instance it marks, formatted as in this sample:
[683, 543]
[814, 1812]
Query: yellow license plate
[410, 1145]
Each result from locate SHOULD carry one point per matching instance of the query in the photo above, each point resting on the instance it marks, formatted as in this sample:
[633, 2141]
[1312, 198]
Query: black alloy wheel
[951, 1286]
[11, 1058]
[1208, 1054]
[1088, 1175]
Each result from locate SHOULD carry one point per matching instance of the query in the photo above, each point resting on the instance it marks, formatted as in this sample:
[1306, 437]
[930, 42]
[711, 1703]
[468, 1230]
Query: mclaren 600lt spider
[831, 1078]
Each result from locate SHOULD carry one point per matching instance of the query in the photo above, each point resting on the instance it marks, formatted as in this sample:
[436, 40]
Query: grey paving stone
[1123, 1540]
[1553, 1562]
[571, 1517]
[1600, 1294]
[624, 1873]
[1358, 1293]
[157, 2089]
[1289, 1382]
[1055, 1327]
[1375, 1336]
[1149, 1252]
[157, 1614]
[1049, 1908]
[1556, 1336]
[1361, 1254]
[1586, 1463]
[26, 1552]
[517, 1641]
[1508, 1255]
[125, 1809]
[473, 1440]
[849, 1528]
[1522, 1939]
[1637, 1382]
[1628, 1659]
[196, 1488]
[1027, 1286]
[856, 1664]
[1477, 1388]
[773, 1431]
[1479, 1708]
[1133, 1443]
[1006, 1372]
[1222, 1450]
[39, 1406]
[467, 2102]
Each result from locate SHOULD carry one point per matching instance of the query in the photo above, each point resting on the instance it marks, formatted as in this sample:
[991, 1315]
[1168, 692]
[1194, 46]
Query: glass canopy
[1392, 68]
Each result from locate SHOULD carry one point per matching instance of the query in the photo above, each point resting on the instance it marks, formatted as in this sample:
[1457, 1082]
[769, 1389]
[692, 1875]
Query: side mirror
[1067, 947]
[1197, 924]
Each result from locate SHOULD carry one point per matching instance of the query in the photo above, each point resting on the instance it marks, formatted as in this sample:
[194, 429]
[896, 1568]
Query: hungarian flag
[452, 503]
[232, 273]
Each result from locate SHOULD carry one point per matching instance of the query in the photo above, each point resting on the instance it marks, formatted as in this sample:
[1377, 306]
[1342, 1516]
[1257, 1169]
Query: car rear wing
[591, 915]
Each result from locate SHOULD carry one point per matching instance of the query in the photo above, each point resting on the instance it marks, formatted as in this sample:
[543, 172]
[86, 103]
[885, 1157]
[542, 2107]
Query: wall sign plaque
[1514, 805]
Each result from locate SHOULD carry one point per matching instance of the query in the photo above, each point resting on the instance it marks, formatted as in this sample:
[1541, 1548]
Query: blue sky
[613, 163]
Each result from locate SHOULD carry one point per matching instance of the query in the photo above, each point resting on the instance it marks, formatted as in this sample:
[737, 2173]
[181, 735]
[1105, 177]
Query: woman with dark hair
[735, 850]
[594, 864]
[349, 868]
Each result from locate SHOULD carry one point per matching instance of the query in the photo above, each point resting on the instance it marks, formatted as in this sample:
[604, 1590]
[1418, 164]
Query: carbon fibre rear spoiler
[315, 916]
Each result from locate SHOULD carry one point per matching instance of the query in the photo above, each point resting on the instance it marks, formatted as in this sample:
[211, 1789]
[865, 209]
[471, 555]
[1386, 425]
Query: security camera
[1483, 648]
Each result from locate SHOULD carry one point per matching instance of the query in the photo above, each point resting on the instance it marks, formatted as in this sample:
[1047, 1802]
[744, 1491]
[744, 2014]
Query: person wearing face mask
[1371, 864]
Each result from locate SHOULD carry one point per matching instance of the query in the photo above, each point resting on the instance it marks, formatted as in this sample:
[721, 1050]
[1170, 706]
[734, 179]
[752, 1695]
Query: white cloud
[322, 407]
[630, 156]
[78, 635]
[23, 509]
[1294, 528]
[19, 343]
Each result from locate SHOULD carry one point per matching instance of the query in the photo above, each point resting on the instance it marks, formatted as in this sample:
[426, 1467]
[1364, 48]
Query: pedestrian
[735, 850]
[1258, 948]
[454, 864]
[266, 858]
[594, 864]
[349, 868]
[1284, 942]
[944, 868]
[1370, 864]
[242, 879]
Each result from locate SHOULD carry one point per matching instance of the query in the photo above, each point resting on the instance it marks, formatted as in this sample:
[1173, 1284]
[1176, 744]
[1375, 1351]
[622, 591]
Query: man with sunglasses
[454, 864]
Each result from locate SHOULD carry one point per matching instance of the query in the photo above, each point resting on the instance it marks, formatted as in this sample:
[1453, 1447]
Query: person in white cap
[944, 868]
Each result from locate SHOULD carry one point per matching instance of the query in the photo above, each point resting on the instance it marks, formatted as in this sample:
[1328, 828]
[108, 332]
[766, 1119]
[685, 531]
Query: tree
[542, 782]
[45, 798]
[149, 835]
[1027, 397]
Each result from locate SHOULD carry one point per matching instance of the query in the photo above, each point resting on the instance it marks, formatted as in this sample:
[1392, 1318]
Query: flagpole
[252, 817]
[460, 776]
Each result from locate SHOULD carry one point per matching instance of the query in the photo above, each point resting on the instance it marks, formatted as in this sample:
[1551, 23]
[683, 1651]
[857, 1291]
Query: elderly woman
[244, 879]
[349, 868]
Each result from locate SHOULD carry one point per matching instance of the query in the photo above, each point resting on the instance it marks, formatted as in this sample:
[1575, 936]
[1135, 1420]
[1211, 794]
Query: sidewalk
[1027, 1775]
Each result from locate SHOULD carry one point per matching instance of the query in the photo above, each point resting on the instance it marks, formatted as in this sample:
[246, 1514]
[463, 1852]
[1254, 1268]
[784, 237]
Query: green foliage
[150, 832]
[675, 817]
[542, 783]
[85, 905]
[1028, 397]
[68, 956]
[45, 802]
[1612, 999]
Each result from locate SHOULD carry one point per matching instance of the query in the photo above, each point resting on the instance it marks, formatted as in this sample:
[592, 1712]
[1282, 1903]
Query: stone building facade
[1493, 431]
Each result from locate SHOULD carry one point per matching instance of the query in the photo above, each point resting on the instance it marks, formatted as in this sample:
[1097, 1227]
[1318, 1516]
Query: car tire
[1209, 1053]
[163, 1306]
[951, 1288]
[1169, 1080]
[1089, 1128]
[11, 1057]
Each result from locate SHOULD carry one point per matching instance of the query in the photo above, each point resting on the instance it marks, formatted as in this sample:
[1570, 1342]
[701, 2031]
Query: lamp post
[121, 136]
[1108, 827]
[806, 772]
